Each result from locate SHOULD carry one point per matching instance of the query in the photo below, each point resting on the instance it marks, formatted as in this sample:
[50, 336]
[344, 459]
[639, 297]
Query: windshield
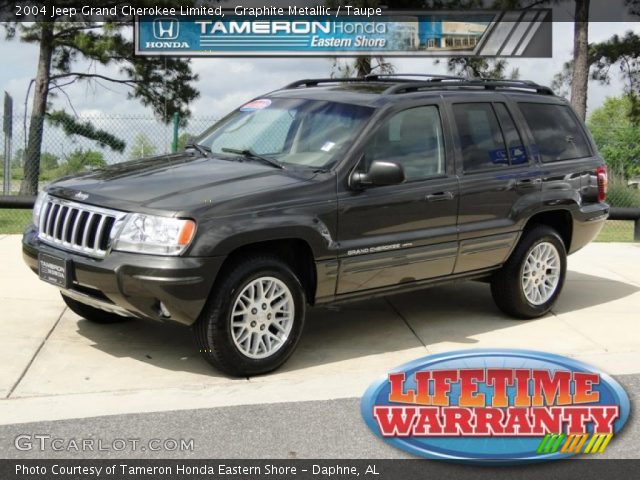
[293, 131]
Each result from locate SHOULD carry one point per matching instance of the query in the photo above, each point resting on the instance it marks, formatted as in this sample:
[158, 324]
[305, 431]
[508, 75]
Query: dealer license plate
[53, 270]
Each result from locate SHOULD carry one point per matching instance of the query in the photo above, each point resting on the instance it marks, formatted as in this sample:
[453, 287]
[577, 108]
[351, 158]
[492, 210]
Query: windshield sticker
[254, 105]
[328, 146]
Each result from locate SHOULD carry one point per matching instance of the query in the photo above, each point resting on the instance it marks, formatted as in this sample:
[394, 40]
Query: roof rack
[404, 77]
[487, 84]
[372, 77]
[314, 82]
[404, 84]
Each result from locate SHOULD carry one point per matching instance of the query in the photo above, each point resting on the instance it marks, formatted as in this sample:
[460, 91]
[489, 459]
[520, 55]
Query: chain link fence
[66, 151]
[621, 193]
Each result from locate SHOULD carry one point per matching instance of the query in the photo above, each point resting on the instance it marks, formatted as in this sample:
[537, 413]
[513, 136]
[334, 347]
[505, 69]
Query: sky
[226, 83]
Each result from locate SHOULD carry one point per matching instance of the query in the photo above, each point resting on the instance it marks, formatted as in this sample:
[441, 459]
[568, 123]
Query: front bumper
[134, 283]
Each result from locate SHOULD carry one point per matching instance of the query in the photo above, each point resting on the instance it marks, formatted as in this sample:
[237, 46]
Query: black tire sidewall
[230, 358]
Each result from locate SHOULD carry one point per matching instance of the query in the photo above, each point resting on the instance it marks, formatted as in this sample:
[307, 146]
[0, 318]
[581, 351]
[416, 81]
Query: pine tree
[164, 84]
[620, 53]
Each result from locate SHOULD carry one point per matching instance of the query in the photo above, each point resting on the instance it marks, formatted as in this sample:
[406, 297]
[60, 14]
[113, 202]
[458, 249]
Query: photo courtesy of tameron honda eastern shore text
[325, 191]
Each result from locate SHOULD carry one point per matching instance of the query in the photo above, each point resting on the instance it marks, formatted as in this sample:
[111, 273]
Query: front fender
[219, 238]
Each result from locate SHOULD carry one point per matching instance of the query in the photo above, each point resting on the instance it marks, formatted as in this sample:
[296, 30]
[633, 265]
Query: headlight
[37, 208]
[152, 234]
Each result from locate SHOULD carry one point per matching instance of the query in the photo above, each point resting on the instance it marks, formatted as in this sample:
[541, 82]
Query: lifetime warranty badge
[525, 33]
[496, 406]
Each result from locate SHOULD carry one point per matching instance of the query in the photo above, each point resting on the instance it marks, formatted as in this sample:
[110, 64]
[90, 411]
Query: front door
[404, 233]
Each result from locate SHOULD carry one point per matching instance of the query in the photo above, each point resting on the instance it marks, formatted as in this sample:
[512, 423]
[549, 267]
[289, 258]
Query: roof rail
[372, 77]
[404, 84]
[313, 82]
[404, 76]
[487, 84]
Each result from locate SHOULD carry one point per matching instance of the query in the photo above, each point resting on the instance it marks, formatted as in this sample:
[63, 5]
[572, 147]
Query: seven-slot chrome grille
[78, 227]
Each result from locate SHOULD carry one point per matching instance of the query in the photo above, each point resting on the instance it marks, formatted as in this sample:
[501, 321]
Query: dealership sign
[496, 406]
[399, 34]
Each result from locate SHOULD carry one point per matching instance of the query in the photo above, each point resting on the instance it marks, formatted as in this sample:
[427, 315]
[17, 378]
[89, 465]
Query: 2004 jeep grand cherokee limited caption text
[324, 191]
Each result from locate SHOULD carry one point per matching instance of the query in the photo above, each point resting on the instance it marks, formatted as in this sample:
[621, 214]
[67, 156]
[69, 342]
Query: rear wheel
[94, 315]
[530, 282]
[254, 318]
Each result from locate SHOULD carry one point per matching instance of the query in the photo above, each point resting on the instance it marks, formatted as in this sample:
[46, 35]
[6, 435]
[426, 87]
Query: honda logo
[166, 28]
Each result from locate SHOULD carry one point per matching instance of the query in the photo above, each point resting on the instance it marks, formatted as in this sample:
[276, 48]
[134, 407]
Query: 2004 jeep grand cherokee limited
[324, 191]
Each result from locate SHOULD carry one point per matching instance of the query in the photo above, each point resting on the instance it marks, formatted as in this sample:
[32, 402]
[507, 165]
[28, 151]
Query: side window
[517, 152]
[556, 131]
[480, 137]
[412, 138]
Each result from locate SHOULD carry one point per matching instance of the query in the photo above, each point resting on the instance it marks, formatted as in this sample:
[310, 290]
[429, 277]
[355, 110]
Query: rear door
[498, 177]
[403, 233]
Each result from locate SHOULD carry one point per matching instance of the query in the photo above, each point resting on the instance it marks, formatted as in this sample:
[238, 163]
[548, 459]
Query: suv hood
[171, 183]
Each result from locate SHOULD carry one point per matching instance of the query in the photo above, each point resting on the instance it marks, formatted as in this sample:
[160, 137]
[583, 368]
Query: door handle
[439, 197]
[528, 182]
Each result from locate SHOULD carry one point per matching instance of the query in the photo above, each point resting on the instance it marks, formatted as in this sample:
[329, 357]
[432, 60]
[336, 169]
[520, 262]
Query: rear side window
[556, 131]
[512, 137]
[481, 139]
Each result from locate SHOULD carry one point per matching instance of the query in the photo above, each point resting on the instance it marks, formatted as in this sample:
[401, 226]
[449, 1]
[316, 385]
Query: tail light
[603, 182]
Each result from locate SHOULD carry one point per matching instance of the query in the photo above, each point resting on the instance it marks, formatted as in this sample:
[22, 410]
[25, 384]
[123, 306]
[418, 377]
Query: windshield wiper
[247, 152]
[202, 149]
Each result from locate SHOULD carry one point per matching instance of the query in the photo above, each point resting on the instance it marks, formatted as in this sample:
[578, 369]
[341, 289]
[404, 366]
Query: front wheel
[254, 319]
[530, 282]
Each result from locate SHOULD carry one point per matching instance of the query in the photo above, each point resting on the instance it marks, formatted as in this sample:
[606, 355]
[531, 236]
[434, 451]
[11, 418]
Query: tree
[580, 79]
[81, 160]
[183, 139]
[18, 158]
[460, 66]
[619, 53]
[617, 137]
[623, 52]
[142, 147]
[72, 126]
[480, 68]
[162, 83]
[364, 64]
[48, 161]
[361, 67]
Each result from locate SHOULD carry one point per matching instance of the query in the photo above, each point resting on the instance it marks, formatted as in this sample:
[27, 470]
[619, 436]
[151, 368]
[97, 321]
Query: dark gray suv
[326, 191]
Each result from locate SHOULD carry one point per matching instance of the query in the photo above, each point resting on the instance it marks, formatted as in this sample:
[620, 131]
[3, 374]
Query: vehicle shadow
[449, 314]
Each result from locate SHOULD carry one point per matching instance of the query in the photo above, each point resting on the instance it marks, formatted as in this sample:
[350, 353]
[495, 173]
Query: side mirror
[381, 173]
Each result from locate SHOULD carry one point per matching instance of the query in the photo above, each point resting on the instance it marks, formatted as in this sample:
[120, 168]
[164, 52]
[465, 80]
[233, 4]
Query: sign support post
[7, 128]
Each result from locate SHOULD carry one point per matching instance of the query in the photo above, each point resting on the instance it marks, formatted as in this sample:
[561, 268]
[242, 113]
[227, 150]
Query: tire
[524, 288]
[227, 348]
[94, 315]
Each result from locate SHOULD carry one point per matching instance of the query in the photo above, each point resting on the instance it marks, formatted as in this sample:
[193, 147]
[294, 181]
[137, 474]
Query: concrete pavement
[317, 429]
[55, 365]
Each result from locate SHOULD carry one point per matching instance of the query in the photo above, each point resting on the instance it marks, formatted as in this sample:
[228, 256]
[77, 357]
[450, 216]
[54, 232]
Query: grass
[14, 221]
[616, 231]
